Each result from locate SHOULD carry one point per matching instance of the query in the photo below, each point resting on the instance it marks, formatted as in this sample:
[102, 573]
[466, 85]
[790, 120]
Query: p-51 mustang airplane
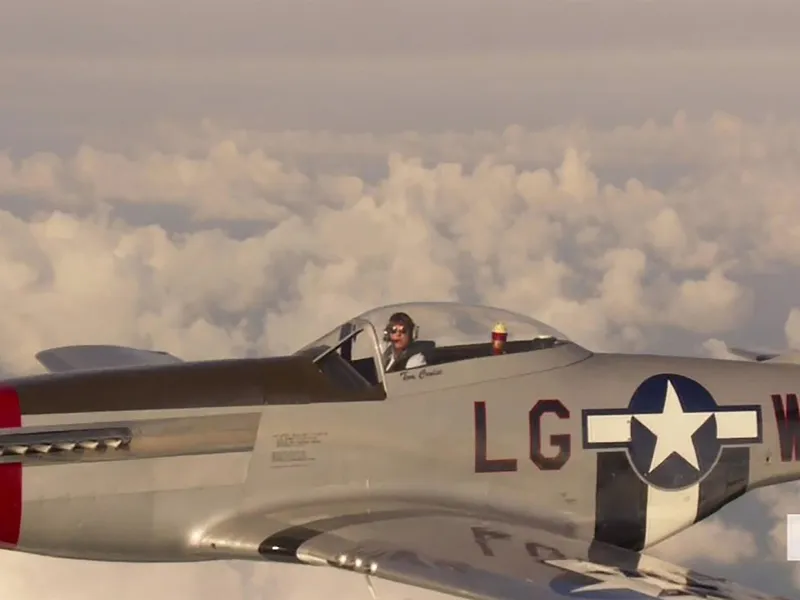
[539, 473]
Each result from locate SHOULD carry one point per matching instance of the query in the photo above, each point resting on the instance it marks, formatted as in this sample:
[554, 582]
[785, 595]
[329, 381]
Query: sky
[232, 179]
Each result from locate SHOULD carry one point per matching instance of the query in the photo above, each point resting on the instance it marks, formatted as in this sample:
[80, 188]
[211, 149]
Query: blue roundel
[668, 397]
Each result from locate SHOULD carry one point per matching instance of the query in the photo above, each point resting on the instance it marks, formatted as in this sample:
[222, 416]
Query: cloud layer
[212, 242]
[257, 231]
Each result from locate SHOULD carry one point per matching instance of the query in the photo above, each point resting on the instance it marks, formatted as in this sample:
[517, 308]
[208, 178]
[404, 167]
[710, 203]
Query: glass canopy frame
[352, 353]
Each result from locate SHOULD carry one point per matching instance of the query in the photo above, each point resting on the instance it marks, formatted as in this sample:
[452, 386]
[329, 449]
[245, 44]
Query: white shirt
[414, 361]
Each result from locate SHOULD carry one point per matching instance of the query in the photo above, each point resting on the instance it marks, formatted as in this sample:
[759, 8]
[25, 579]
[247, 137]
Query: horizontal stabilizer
[90, 357]
[790, 356]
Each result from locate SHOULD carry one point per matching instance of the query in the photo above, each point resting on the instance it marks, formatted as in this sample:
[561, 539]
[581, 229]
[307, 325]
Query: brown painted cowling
[207, 384]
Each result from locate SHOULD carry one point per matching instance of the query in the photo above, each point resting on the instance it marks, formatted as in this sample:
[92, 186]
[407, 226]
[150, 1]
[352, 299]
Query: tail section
[787, 357]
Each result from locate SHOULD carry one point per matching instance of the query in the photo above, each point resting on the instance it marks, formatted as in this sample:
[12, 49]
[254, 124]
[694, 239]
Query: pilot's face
[399, 335]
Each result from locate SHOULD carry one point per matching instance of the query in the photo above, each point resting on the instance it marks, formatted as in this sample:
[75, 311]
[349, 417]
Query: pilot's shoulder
[422, 345]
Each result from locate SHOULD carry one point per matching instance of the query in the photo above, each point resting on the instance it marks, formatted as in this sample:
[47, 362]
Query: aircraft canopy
[452, 323]
[453, 331]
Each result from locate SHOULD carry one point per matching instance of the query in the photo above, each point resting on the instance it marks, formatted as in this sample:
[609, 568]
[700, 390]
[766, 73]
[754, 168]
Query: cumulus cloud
[721, 542]
[565, 239]
[792, 328]
[780, 502]
[239, 232]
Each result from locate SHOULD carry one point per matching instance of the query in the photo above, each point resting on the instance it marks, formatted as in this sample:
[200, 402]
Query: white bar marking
[608, 429]
[669, 511]
[793, 537]
[742, 424]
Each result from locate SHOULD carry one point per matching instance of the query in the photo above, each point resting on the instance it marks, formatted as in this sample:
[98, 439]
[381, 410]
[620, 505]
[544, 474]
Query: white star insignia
[673, 429]
[612, 578]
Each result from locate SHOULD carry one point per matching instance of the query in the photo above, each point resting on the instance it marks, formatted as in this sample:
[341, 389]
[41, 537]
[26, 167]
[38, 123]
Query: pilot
[499, 337]
[401, 352]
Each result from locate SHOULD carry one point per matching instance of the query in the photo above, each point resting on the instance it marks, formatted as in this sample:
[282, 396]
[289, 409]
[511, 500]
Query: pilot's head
[400, 331]
[499, 337]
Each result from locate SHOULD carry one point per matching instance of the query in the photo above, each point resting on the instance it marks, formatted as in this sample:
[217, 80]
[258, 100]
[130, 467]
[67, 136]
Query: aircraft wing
[81, 358]
[472, 555]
